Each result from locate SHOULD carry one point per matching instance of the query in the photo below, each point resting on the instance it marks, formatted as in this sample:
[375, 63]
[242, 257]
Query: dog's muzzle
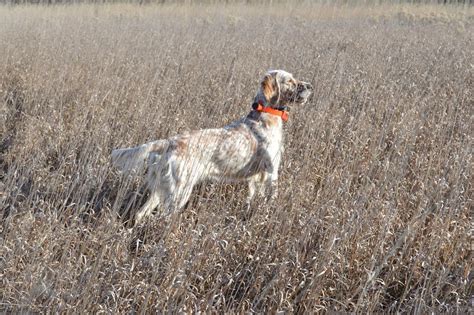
[303, 91]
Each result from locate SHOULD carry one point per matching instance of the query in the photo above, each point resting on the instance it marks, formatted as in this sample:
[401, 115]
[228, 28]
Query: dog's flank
[246, 150]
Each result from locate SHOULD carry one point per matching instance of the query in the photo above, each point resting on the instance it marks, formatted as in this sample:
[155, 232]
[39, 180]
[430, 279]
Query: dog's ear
[271, 88]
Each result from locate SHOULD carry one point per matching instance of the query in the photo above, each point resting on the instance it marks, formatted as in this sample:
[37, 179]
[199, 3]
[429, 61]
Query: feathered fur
[248, 149]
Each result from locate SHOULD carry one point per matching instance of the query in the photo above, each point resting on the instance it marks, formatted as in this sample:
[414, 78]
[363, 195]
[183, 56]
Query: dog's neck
[279, 111]
[268, 120]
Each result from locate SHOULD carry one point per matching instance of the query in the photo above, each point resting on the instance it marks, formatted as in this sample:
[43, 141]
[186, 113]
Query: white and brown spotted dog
[248, 149]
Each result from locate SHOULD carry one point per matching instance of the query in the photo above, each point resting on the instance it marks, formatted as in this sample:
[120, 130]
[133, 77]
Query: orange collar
[280, 113]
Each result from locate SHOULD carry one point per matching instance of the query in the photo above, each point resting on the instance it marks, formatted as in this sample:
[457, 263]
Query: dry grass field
[376, 194]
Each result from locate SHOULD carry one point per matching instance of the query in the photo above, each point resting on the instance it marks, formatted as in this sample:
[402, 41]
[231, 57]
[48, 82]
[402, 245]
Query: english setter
[248, 149]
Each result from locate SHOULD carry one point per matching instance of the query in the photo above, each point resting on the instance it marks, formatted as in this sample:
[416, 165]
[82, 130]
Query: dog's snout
[303, 86]
[307, 86]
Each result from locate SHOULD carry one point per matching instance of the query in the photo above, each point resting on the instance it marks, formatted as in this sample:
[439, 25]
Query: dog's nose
[309, 86]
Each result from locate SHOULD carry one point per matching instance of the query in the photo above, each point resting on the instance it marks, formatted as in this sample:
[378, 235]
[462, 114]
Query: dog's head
[279, 89]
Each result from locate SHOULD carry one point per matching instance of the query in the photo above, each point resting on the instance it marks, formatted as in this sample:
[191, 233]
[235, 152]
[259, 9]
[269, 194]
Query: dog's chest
[270, 135]
[275, 141]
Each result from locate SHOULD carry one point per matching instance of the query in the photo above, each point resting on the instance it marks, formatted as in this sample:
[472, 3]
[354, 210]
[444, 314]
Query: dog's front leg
[272, 187]
[271, 181]
[252, 189]
[255, 185]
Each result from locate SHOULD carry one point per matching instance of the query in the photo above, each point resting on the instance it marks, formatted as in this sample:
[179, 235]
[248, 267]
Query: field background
[375, 206]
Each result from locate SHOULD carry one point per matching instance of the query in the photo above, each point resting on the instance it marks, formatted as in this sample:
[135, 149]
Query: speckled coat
[248, 149]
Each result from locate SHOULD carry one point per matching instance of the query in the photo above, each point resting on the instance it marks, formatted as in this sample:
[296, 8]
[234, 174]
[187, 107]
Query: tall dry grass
[375, 206]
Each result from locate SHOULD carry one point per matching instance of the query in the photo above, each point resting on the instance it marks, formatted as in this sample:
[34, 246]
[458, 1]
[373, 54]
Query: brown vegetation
[376, 180]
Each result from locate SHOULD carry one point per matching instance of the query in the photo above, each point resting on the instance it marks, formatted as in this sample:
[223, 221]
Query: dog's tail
[134, 160]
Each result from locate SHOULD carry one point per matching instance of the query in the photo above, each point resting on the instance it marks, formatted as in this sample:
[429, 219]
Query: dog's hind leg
[154, 172]
[177, 199]
[146, 210]
[184, 198]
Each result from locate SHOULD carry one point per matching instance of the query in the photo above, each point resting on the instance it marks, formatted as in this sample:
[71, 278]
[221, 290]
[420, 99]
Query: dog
[248, 149]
